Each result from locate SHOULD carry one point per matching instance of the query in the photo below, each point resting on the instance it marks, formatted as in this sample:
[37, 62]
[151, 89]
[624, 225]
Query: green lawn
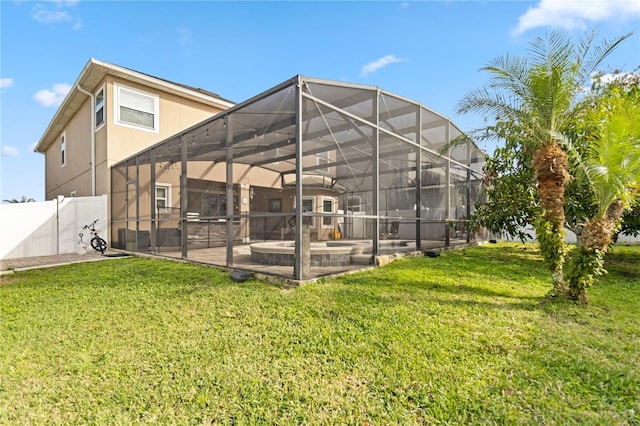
[465, 338]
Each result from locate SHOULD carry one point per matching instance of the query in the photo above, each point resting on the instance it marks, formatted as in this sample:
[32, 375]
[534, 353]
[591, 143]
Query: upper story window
[63, 149]
[99, 108]
[136, 109]
[323, 158]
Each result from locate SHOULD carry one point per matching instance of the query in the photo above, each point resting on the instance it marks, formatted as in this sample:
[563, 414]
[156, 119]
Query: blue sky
[429, 51]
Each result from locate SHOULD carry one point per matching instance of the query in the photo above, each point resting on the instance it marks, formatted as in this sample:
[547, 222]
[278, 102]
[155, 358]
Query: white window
[63, 149]
[136, 109]
[99, 108]
[163, 198]
[327, 207]
[323, 158]
[308, 206]
[353, 204]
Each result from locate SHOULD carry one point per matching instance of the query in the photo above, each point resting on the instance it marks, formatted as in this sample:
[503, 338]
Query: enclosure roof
[339, 124]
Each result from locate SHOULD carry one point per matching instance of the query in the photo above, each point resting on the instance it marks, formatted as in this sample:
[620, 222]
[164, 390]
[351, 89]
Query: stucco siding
[75, 174]
[241, 173]
[176, 114]
[113, 141]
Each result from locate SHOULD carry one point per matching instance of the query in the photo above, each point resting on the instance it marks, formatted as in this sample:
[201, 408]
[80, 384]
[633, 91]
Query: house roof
[93, 74]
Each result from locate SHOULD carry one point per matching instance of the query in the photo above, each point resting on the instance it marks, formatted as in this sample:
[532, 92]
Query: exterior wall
[103, 180]
[176, 114]
[242, 173]
[120, 142]
[75, 175]
[214, 174]
[112, 142]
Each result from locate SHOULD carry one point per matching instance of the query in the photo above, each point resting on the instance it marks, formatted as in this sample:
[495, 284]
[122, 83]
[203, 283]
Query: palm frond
[613, 158]
[457, 145]
[579, 167]
[553, 51]
[538, 93]
[592, 57]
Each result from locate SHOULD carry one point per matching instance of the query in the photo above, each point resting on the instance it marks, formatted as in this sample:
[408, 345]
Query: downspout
[93, 139]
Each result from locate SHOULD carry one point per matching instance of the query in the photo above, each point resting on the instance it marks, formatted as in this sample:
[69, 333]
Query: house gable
[94, 74]
[103, 118]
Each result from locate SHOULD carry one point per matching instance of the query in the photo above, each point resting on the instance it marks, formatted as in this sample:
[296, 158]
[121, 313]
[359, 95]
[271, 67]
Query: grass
[465, 338]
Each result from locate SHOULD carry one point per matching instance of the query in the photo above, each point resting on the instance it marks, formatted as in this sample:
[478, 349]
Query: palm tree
[532, 99]
[610, 166]
[23, 199]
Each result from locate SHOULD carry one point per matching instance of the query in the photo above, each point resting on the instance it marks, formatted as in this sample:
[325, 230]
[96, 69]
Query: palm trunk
[588, 259]
[550, 165]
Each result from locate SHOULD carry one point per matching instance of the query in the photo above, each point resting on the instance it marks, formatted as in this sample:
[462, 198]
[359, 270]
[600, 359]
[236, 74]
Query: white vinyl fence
[570, 237]
[50, 227]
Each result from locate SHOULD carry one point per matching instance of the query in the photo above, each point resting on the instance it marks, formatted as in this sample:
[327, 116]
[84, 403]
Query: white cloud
[46, 15]
[627, 78]
[6, 82]
[379, 63]
[608, 78]
[53, 97]
[9, 151]
[575, 14]
[64, 2]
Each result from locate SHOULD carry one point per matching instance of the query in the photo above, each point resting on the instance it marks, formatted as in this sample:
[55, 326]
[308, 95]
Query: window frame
[63, 149]
[117, 90]
[352, 206]
[322, 158]
[100, 106]
[327, 221]
[312, 220]
[167, 198]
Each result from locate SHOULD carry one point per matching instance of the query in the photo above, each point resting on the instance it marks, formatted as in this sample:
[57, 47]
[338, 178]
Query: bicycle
[97, 242]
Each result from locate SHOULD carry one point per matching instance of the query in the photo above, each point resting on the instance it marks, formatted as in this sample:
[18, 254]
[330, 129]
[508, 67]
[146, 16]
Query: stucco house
[111, 113]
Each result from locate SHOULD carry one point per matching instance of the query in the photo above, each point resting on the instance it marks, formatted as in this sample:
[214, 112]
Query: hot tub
[329, 253]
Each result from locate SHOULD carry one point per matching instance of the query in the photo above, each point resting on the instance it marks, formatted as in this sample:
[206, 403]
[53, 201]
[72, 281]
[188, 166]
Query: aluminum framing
[381, 154]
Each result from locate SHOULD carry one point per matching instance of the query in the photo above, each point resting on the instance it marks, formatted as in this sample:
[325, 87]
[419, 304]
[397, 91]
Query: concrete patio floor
[216, 256]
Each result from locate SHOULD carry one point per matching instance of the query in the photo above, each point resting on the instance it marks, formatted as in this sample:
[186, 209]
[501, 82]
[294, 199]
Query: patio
[283, 273]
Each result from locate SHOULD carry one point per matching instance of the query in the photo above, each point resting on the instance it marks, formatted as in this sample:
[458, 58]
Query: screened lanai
[309, 178]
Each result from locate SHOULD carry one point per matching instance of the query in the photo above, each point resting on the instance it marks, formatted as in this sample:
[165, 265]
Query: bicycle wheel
[98, 244]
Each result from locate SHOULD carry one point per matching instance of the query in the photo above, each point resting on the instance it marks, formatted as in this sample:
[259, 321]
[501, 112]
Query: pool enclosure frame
[370, 167]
